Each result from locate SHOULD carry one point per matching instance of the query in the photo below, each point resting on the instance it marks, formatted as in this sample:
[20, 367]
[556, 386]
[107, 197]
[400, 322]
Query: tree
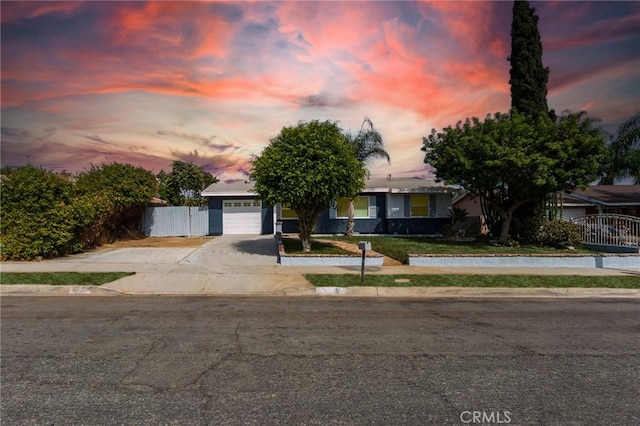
[184, 184]
[624, 153]
[307, 167]
[510, 159]
[528, 77]
[368, 146]
[120, 193]
[528, 81]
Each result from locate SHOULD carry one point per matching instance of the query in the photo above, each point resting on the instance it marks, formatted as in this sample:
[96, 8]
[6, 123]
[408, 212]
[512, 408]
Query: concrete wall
[587, 261]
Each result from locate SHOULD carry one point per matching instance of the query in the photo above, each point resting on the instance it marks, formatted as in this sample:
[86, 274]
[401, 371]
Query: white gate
[176, 221]
[610, 232]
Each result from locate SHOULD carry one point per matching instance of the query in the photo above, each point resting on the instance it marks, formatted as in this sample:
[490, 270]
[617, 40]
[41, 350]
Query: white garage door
[241, 217]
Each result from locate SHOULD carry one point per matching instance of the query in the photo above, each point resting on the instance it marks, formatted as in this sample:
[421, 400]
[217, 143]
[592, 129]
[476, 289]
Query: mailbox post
[364, 246]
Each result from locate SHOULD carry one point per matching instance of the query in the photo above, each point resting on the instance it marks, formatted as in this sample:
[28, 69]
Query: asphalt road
[318, 361]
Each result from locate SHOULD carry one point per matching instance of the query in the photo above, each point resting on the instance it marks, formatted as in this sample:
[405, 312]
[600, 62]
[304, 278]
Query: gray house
[385, 206]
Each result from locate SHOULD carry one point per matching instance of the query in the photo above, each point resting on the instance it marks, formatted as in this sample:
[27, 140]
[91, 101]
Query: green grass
[400, 247]
[511, 281]
[61, 278]
[294, 246]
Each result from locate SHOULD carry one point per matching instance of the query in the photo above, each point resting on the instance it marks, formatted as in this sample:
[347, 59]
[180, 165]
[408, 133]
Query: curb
[438, 292]
[57, 290]
[377, 292]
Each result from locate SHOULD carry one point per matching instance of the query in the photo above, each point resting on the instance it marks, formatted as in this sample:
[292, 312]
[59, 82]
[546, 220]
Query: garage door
[241, 217]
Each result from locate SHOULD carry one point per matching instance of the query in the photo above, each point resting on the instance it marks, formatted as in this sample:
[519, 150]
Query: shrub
[39, 215]
[119, 194]
[559, 234]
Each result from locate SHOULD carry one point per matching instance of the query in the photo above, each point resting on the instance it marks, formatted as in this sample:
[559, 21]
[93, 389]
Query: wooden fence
[175, 221]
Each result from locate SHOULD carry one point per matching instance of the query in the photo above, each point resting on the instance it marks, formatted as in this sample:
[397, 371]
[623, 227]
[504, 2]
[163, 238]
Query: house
[620, 199]
[385, 206]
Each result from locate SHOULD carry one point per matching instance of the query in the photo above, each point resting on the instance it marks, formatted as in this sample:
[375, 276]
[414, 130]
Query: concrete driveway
[225, 250]
[235, 250]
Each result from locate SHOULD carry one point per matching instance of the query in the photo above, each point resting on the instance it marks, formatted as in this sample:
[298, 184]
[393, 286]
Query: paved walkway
[247, 265]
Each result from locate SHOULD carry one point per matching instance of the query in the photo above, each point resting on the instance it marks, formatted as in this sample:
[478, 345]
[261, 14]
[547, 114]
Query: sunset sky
[147, 83]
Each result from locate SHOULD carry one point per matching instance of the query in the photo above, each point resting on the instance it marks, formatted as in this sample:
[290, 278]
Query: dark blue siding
[422, 225]
[267, 219]
[215, 216]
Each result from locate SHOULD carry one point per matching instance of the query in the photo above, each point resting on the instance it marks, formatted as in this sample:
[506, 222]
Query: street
[318, 361]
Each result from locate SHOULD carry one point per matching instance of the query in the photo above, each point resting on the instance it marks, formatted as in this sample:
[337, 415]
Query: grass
[510, 281]
[61, 278]
[400, 247]
[294, 246]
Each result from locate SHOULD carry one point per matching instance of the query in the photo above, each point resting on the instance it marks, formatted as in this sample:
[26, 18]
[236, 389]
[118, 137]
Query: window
[361, 208]
[419, 205]
[287, 213]
[228, 204]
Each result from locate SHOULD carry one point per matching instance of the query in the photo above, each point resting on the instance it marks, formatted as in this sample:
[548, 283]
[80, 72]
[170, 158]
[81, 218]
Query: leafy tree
[510, 159]
[184, 184]
[368, 146]
[307, 167]
[120, 193]
[41, 217]
[528, 77]
[624, 153]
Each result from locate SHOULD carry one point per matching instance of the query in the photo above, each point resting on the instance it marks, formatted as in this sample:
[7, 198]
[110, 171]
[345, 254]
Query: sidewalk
[239, 265]
[276, 280]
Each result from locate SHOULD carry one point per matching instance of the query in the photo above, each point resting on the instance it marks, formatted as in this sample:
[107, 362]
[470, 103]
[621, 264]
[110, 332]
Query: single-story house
[385, 206]
[619, 199]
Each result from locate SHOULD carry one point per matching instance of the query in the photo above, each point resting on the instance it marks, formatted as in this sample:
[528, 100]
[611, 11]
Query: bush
[119, 194]
[559, 234]
[46, 214]
[39, 215]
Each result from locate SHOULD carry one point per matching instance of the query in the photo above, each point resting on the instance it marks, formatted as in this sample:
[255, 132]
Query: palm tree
[624, 153]
[368, 146]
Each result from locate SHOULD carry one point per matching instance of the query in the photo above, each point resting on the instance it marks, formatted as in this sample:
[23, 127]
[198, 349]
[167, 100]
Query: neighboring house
[385, 206]
[620, 199]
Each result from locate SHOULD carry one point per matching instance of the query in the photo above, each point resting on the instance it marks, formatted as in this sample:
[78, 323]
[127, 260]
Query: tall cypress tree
[528, 80]
[528, 77]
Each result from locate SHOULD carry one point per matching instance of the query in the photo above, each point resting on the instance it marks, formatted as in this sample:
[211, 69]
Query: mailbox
[364, 245]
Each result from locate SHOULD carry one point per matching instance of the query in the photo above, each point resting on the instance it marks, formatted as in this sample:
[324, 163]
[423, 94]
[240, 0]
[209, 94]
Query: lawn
[511, 281]
[400, 247]
[61, 278]
[294, 246]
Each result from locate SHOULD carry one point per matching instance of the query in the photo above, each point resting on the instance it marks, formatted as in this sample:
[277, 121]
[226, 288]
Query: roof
[606, 195]
[232, 188]
[392, 185]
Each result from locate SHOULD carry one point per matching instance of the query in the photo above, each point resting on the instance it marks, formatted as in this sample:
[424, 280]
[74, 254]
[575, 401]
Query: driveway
[225, 250]
[235, 250]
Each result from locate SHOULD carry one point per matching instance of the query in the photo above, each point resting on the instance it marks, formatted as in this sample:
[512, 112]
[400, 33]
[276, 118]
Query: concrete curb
[377, 292]
[57, 290]
[437, 292]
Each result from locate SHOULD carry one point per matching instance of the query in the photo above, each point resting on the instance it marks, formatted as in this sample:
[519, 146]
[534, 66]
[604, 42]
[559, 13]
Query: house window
[361, 208]
[419, 205]
[287, 213]
[228, 204]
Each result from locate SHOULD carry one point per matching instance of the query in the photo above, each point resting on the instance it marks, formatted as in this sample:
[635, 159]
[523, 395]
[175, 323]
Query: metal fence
[615, 231]
[176, 221]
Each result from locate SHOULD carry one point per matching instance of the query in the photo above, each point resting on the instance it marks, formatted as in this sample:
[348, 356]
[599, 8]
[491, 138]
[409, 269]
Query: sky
[147, 83]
